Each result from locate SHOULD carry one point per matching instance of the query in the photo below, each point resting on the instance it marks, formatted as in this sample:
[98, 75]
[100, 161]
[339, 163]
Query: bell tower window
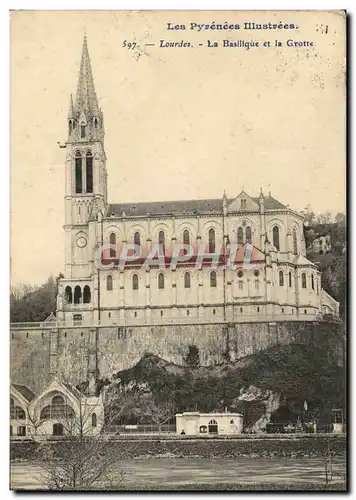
[89, 172]
[78, 173]
[82, 130]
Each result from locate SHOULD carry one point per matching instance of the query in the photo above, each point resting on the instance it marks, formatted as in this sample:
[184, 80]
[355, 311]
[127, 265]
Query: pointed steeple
[86, 99]
[71, 113]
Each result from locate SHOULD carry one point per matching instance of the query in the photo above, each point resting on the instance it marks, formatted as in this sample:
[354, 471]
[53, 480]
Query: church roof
[180, 207]
[25, 391]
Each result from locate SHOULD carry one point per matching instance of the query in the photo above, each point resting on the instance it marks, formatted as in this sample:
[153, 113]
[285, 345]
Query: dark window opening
[211, 240]
[113, 245]
[86, 294]
[135, 282]
[275, 233]
[68, 294]
[248, 235]
[213, 279]
[312, 281]
[137, 239]
[78, 173]
[295, 242]
[82, 131]
[290, 279]
[240, 236]
[187, 280]
[161, 281]
[57, 430]
[89, 167]
[304, 280]
[109, 283]
[186, 237]
[281, 278]
[93, 420]
[21, 430]
[77, 295]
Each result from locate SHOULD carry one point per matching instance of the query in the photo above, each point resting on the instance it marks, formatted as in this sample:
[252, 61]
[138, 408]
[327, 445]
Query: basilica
[239, 259]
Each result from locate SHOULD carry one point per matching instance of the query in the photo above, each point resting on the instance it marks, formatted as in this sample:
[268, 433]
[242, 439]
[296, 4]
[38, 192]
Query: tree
[29, 303]
[192, 359]
[160, 413]
[81, 459]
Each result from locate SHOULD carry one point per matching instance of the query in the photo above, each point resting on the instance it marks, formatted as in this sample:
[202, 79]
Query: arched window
[112, 245]
[89, 173]
[77, 295]
[213, 426]
[57, 406]
[290, 279]
[68, 294]
[312, 281]
[211, 240]
[93, 420]
[137, 239]
[186, 280]
[248, 235]
[275, 234]
[213, 279]
[82, 130]
[109, 283]
[240, 236]
[304, 280]
[161, 281]
[70, 127]
[96, 123]
[78, 173]
[161, 240]
[45, 413]
[135, 282]
[281, 278]
[295, 242]
[86, 294]
[16, 412]
[186, 237]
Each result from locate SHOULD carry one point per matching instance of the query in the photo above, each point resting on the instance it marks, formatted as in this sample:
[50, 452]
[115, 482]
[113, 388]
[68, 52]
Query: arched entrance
[57, 430]
[213, 427]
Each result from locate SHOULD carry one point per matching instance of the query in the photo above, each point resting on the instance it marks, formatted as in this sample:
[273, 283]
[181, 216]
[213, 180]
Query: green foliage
[29, 304]
[192, 359]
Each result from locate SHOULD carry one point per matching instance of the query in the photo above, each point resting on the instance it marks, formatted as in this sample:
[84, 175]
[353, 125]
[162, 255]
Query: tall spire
[71, 113]
[86, 99]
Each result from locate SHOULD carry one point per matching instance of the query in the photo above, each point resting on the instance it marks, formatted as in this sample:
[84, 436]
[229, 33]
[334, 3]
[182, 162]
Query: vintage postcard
[178, 181]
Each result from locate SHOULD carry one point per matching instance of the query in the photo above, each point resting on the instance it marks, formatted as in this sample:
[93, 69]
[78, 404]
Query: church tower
[86, 175]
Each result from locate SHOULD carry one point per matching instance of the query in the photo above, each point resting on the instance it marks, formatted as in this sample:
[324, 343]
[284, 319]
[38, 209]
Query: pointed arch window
[109, 283]
[161, 281]
[82, 130]
[112, 245]
[89, 172]
[86, 294]
[290, 279]
[187, 280]
[295, 242]
[70, 126]
[213, 279]
[161, 240]
[275, 234]
[68, 294]
[93, 420]
[240, 236]
[137, 239]
[186, 237]
[281, 278]
[78, 173]
[248, 235]
[77, 295]
[96, 122]
[135, 282]
[211, 240]
[304, 280]
[312, 281]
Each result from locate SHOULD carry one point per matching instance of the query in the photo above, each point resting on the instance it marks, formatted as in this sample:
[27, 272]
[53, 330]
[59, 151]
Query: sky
[181, 123]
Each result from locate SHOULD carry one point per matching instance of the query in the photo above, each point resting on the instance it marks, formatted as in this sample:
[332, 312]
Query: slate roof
[25, 391]
[180, 207]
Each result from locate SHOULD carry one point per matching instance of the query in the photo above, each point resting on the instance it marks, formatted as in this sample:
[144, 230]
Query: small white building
[200, 424]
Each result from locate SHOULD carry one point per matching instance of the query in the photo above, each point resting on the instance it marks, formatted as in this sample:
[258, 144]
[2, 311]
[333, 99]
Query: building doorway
[57, 430]
[213, 427]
